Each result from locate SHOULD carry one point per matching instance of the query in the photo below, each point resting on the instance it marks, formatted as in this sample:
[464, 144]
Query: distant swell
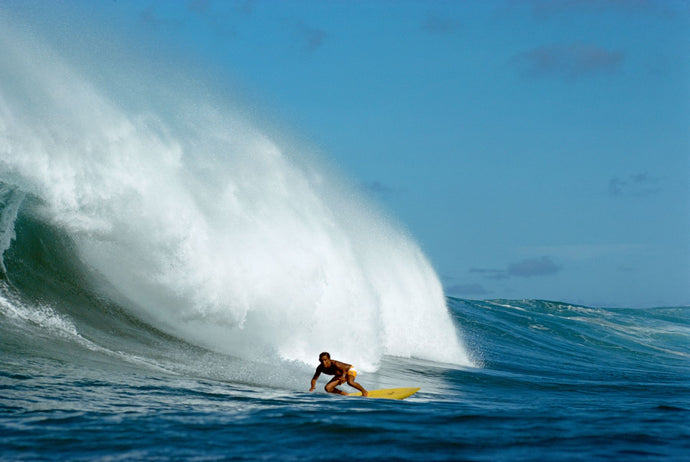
[190, 220]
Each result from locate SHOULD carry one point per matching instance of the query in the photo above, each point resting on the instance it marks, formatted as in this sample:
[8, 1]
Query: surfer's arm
[316, 376]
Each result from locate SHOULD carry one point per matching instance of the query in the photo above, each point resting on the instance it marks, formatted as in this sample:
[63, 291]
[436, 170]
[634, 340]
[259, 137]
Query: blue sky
[534, 149]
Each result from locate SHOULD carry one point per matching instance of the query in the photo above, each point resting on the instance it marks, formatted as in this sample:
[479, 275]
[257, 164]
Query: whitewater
[206, 227]
[171, 270]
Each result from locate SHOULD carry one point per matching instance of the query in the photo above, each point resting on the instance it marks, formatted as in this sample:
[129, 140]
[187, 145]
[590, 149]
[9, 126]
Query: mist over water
[208, 228]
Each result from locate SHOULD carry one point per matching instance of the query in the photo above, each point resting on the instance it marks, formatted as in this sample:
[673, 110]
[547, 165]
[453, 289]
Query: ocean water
[552, 381]
[170, 272]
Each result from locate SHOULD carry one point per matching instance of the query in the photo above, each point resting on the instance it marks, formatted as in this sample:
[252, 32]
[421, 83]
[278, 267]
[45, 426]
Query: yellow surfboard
[389, 393]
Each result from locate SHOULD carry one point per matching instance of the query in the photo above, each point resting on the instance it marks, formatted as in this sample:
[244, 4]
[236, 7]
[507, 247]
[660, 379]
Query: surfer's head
[325, 358]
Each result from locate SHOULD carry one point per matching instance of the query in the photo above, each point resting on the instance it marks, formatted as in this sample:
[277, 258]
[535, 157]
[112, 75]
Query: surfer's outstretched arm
[316, 376]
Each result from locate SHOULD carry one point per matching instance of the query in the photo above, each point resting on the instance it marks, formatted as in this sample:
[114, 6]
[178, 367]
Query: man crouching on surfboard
[342, 373]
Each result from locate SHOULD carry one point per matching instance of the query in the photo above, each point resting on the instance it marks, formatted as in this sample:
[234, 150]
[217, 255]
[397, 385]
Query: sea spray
[10, 200]
[210, 229]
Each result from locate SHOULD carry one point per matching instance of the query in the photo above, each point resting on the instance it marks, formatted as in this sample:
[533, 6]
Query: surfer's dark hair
[326, 354]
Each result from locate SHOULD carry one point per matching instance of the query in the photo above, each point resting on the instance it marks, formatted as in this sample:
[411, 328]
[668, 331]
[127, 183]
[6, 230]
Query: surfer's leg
[331, 386]
[353, 384]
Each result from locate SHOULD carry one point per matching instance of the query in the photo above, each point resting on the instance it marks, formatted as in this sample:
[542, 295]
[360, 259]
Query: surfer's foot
[365, 393]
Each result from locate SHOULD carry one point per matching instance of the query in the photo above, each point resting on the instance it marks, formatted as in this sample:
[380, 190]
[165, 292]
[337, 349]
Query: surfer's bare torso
[336, 368]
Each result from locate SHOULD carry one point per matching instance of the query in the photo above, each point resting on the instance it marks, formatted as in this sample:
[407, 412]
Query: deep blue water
[554, 382]
[83, 378]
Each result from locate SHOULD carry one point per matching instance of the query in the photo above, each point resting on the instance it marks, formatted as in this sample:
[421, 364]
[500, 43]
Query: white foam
[10, 200]
[212, 230]
[42, 315]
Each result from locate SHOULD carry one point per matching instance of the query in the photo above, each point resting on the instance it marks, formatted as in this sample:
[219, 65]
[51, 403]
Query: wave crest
[209, 229]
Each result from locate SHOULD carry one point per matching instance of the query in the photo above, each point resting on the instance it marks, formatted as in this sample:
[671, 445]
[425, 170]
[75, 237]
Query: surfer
[342, 373]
